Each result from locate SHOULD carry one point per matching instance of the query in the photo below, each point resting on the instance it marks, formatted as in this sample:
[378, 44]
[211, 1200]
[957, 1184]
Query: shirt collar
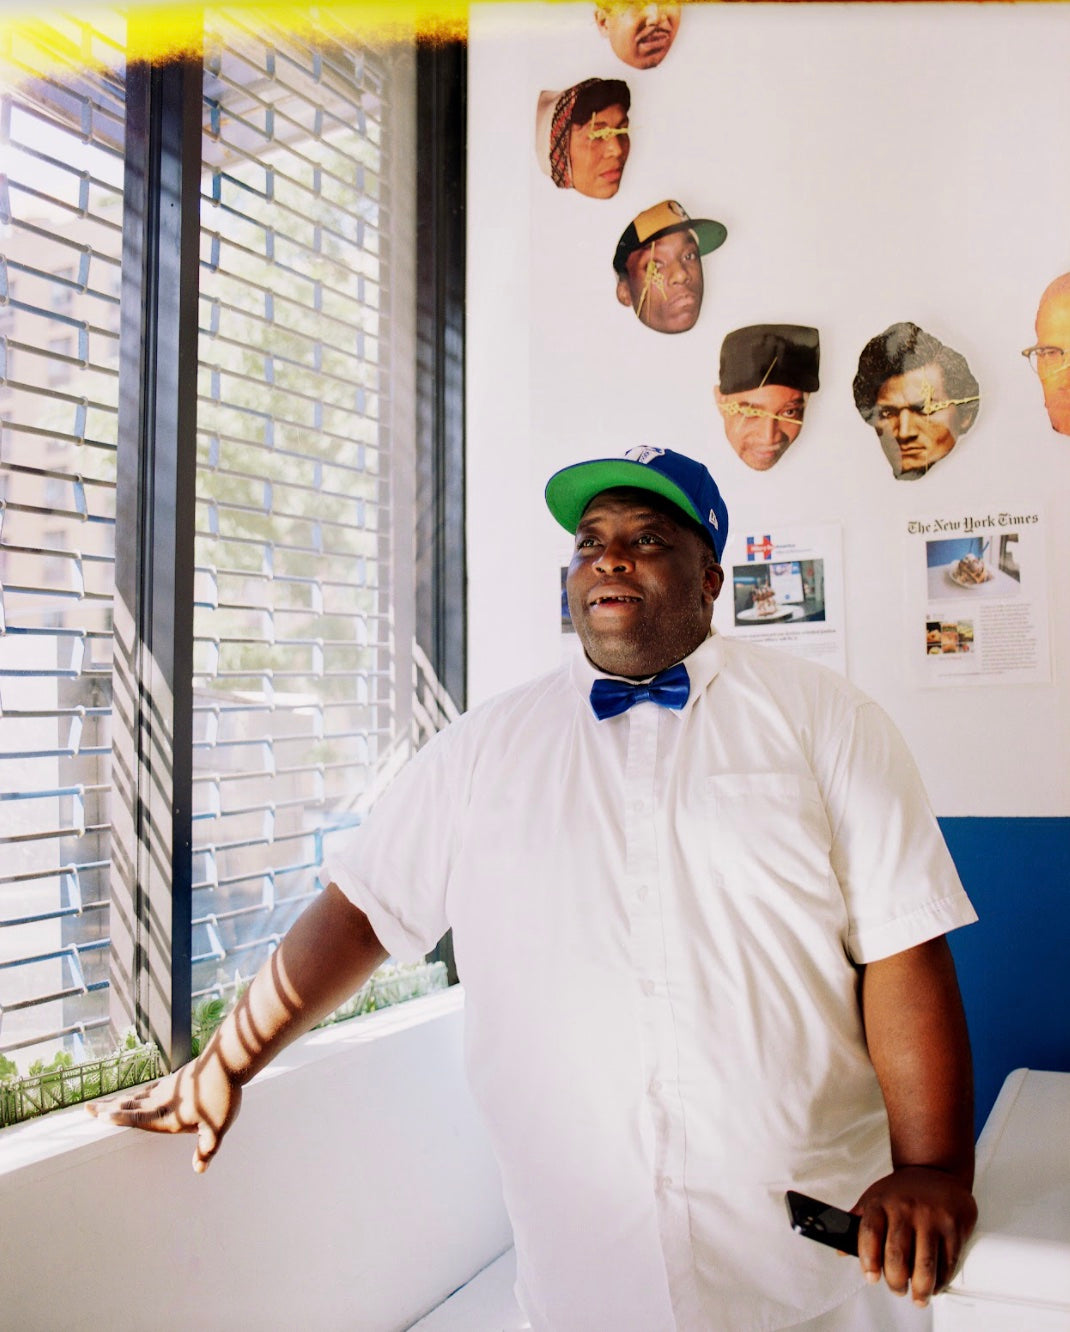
[702, 666]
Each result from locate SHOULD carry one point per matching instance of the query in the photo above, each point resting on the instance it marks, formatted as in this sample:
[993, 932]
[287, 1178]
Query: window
[61, 212]
[295, 658]
[207, 613]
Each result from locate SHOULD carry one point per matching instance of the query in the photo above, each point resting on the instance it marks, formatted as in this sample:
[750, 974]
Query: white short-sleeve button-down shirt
[657, 920]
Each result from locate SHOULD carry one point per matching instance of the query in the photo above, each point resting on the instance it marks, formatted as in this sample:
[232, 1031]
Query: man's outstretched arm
[327, 954]
[916, 1220]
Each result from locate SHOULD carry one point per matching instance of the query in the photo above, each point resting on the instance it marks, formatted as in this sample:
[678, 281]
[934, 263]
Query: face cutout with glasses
[1050, 356]
[1047, 361]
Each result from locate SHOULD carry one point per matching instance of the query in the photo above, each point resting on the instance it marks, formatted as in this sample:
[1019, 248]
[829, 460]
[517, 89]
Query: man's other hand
[915, 1224]
[199, 1098]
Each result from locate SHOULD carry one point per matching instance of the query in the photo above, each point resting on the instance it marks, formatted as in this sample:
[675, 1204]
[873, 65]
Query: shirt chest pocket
[764, 833]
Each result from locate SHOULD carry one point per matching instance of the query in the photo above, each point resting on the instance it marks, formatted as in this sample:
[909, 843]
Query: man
[1050, 357]
[640, 35]
[582, 138]
[658, 263]
[688, 881]
[918, 394]
[767, 373]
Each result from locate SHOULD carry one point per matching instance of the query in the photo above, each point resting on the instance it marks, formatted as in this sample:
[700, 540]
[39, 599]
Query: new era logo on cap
[645, 453]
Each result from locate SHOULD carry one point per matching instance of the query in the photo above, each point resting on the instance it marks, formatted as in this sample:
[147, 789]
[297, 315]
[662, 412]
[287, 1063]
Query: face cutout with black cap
[767, 373]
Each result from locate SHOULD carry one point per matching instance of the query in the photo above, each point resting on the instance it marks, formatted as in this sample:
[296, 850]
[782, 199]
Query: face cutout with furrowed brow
[916, 422]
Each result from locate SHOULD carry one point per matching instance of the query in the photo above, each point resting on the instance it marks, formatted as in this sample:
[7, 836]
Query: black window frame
[151, 900]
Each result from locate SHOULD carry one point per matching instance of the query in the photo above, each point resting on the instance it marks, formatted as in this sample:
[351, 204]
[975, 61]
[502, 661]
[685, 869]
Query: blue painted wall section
[1014, 964]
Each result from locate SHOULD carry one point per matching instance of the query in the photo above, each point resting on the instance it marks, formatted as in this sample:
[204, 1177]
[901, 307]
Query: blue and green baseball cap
[674, 476]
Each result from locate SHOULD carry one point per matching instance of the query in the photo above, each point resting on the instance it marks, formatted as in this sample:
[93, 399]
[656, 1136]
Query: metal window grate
[60, 236]
[292, 629]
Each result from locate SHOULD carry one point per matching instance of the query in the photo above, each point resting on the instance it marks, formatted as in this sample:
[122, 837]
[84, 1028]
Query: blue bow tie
[668, 688]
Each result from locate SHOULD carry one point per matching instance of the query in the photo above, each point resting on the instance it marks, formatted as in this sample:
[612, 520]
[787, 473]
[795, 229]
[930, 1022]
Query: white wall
[356, 1191]
[872, 163]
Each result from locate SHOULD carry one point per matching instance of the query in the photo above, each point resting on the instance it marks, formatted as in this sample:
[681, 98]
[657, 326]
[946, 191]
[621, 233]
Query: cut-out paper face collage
[767, 373]
[919, 395]
[583, 139]
[1050, 354]
[916, 392]
[658, 263]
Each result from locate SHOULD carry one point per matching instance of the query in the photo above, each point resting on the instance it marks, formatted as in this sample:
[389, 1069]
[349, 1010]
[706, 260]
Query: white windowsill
[39, 1148]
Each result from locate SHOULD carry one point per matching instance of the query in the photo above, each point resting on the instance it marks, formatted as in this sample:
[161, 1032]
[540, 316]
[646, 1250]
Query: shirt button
[655, 1087]
[647, 987]
[664, 1182]
[642, 892]
[639, 807]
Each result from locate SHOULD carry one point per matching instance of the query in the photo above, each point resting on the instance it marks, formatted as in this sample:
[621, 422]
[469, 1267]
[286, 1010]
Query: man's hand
[328, 952]
[916, 1220]
[915, 1223]
[201, 1097]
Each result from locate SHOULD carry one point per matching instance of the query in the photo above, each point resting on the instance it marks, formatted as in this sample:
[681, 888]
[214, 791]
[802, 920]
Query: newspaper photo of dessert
[973, 566]
[948, 636]
[784, 588]
[781, 590]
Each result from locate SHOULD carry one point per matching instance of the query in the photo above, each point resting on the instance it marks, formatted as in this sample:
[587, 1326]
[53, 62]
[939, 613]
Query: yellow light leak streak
[606, 132]
[159, 32]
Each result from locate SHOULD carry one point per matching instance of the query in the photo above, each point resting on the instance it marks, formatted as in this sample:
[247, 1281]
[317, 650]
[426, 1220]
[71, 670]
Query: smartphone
[822, 1222]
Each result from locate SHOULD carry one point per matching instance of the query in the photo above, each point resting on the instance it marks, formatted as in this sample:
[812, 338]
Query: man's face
[640, 35]
[913, 425]
[598, 150]
[762, 423]
[1053, 331]
[663, 283]
[641, 585]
